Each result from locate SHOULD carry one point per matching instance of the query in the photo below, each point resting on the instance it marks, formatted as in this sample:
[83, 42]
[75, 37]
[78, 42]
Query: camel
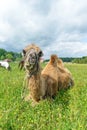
[38, 82]
[45, 83]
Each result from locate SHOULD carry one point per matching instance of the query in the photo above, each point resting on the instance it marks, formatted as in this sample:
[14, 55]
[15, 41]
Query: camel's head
[31, 59]
[32, 46]
[31, 54]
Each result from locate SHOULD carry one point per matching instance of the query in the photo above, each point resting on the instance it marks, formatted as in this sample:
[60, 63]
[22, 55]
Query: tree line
[14, 56]
[82, 60]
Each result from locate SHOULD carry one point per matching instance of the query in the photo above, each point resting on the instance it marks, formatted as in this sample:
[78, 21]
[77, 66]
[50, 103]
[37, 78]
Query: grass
[67, 112]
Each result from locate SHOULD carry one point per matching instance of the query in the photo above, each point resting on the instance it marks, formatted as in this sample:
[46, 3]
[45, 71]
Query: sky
[56, 26]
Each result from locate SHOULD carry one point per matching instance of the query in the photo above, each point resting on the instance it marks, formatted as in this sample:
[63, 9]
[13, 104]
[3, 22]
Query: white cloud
[57, 26]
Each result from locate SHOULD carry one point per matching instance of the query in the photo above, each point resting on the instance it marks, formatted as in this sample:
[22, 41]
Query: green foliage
[67, 112]
[9, 55]
[2, 52]
[67, 59]
[82, 60]
[2, 57]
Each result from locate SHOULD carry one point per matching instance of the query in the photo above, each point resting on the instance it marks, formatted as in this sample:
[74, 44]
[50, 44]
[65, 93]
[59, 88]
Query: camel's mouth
[29, 67]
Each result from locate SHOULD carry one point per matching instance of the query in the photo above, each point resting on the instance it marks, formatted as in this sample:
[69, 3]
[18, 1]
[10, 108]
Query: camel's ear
[40, 53]
[23, 52]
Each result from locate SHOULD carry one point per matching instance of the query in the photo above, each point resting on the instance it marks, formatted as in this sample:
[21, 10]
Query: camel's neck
[35, 72]
[34, 85]
[35, 75]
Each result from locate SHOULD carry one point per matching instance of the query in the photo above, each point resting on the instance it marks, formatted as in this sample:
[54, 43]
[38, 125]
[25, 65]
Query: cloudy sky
[57, 26]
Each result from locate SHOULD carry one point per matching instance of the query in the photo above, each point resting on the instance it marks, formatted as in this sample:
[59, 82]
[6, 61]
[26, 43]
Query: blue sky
[57, 26]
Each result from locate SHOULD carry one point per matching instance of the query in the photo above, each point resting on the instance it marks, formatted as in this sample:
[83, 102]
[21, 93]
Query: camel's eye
[40, 53]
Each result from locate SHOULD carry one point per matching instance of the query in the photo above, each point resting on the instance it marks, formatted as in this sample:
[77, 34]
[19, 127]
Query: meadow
[68, 111]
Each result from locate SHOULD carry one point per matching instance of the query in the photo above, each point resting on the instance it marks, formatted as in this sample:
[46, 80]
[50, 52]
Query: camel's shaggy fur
[60, 65]
[50, 73]
[56, 70]
[36, 87]
[65, 77]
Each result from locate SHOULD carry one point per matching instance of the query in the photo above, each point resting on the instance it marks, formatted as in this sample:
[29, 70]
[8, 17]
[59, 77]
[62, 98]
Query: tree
[2, 52]
[9, 56]
[2, 57]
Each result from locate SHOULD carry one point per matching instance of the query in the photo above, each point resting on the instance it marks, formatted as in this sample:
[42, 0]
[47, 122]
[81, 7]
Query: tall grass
[67, 112]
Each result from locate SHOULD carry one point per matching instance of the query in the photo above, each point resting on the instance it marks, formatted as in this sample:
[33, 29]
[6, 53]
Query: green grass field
[67, 112]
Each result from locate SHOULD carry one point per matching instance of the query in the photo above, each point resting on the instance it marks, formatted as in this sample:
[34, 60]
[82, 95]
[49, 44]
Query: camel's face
[30, 47]
[30, 53]
[31, 59]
